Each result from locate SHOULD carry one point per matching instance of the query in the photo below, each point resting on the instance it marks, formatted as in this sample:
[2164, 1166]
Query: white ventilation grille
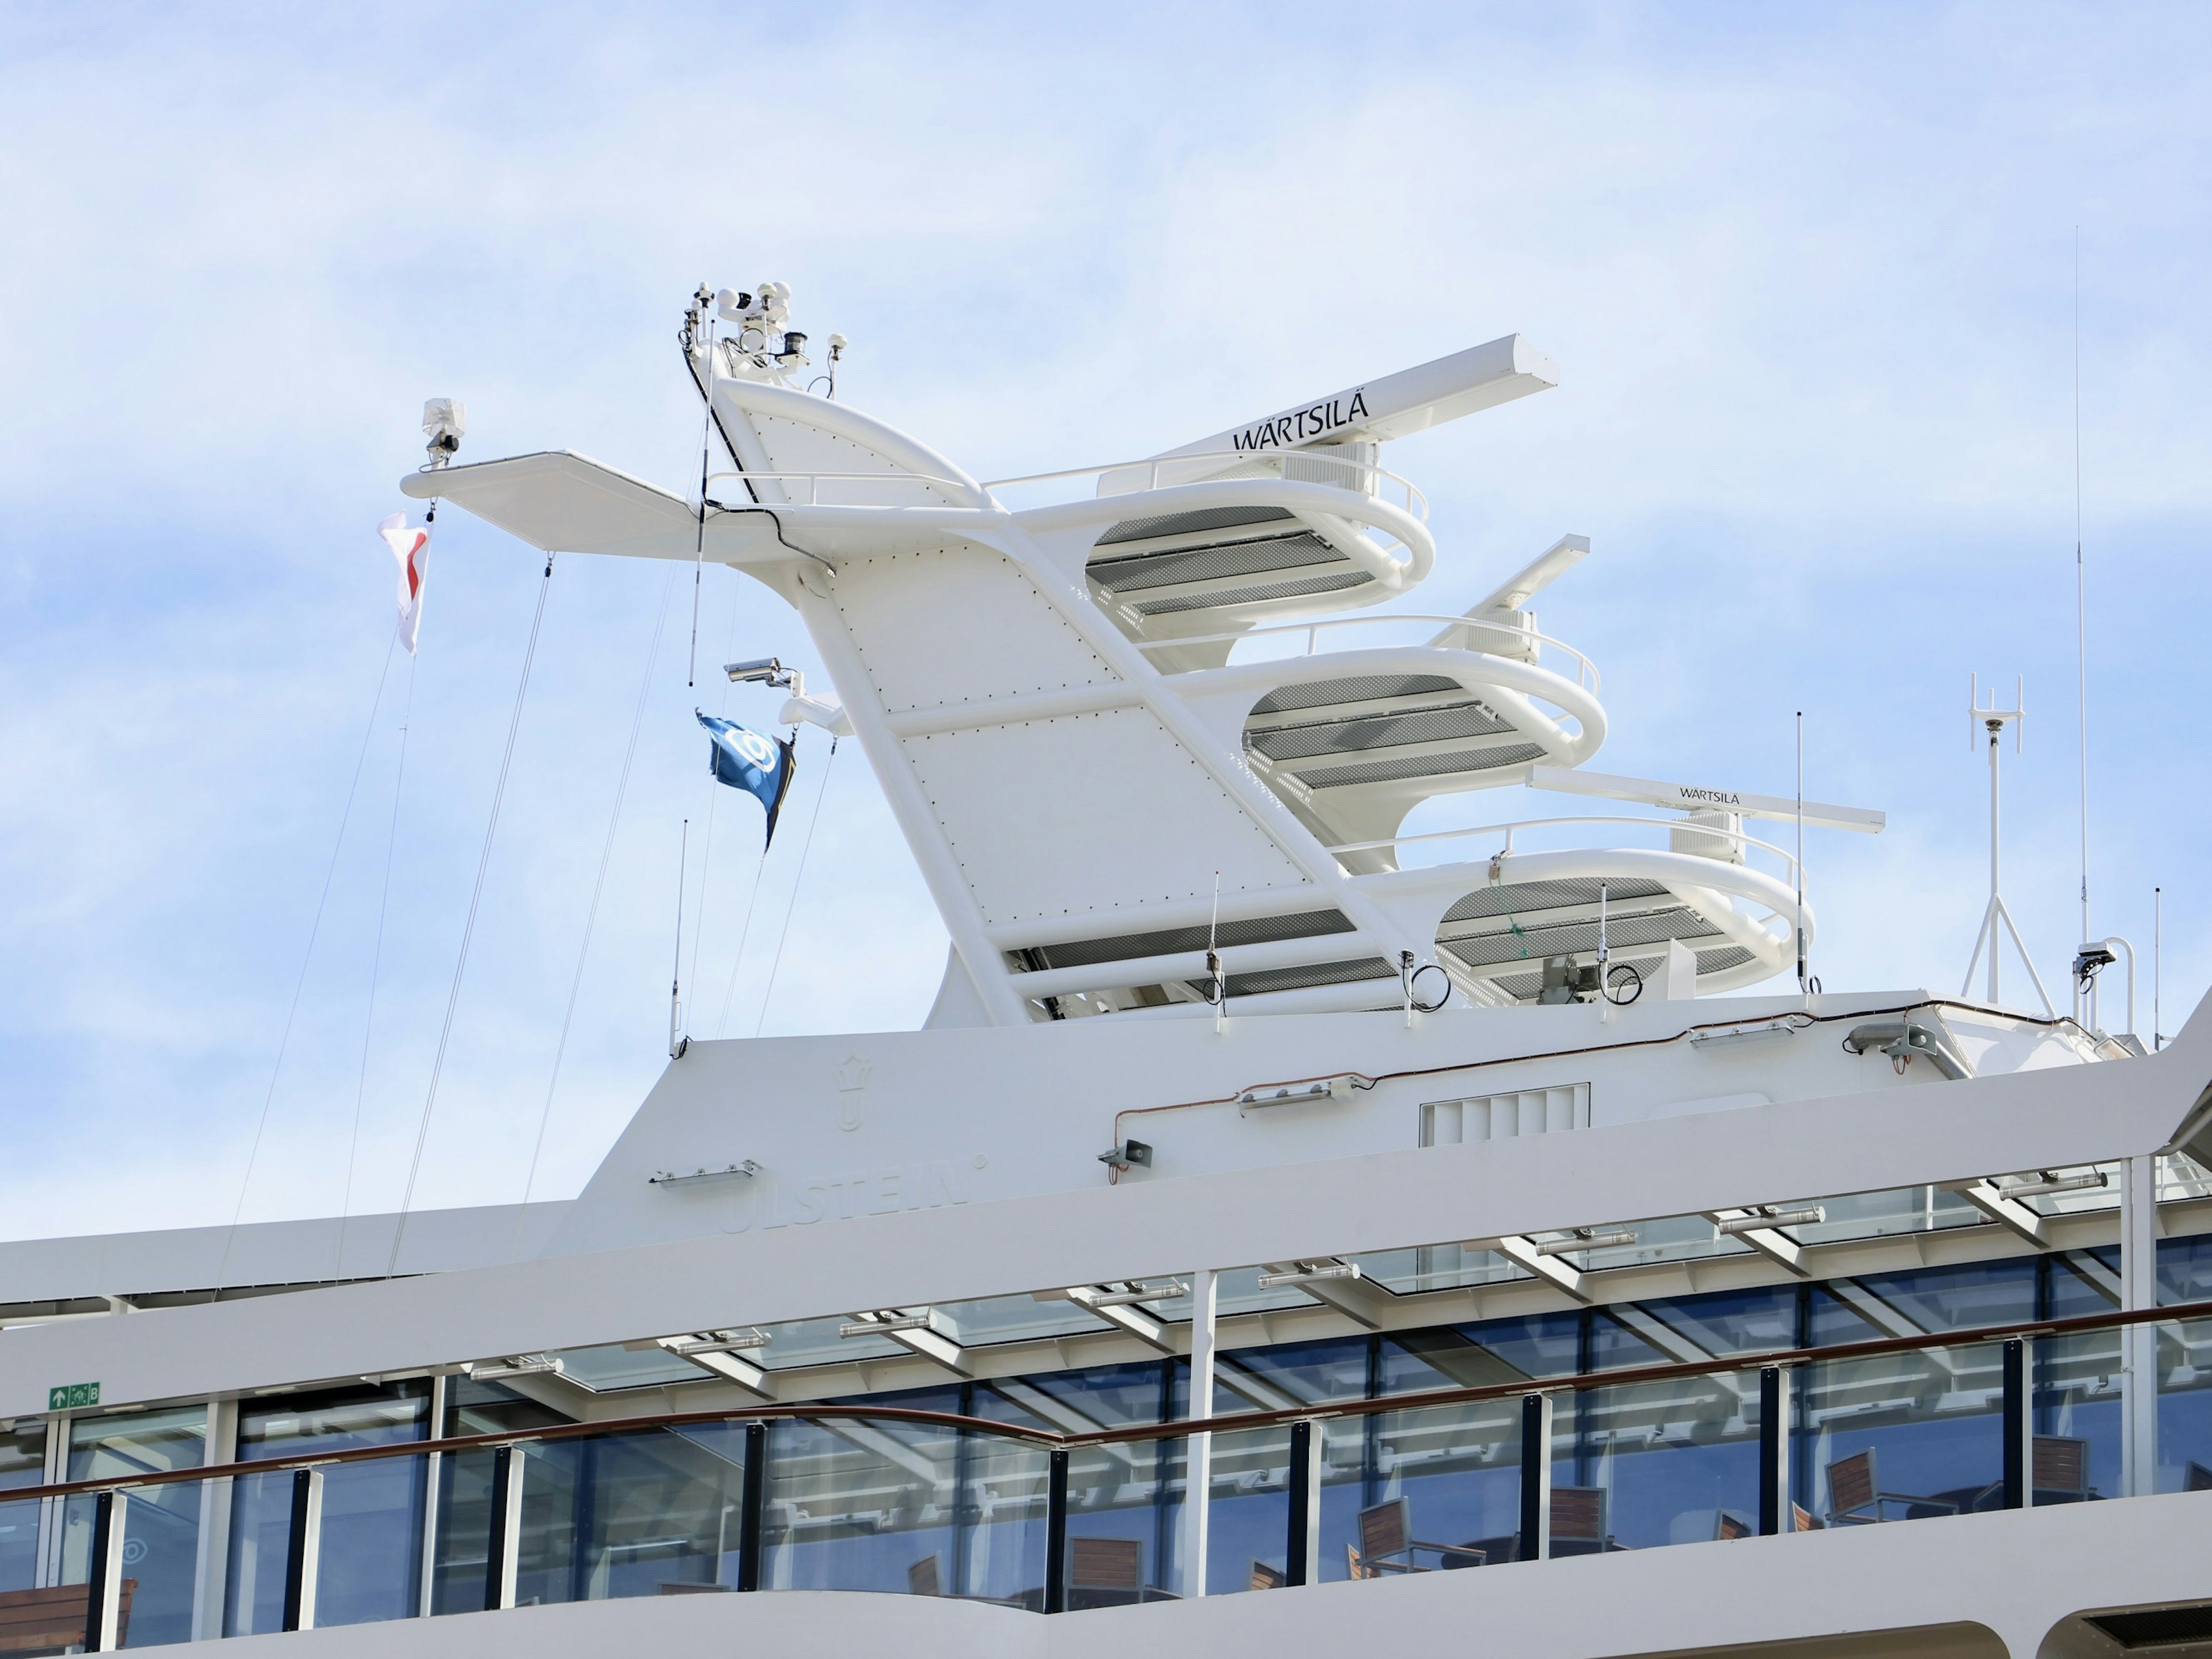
[1501, 1117]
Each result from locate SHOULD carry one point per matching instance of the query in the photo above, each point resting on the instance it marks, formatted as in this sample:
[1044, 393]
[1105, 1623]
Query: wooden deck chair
[52, 1621]
[1267, 1577]
[1856, 1496]
[1106, 1572]
[2059, 1468]
[925, 1578]
[1730, 1526]
[1578, 1519]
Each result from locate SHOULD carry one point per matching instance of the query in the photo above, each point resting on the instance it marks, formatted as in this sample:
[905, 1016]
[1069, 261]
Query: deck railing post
[303, 1549]
[103, 1610]
[1302, 1549]
[1535, 1537]
[505, 1544]
[2019, 1424]
[1055, 1534]
[752, 1507]
[1773, 1450]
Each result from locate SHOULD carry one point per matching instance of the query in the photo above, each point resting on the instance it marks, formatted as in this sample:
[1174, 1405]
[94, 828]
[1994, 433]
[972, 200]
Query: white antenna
[2081, 610]
[1804, 984]
[2157, 952]
[677, 1046]
[1994, 720]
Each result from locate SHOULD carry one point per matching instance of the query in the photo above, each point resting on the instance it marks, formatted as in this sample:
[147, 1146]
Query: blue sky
[1808, 274]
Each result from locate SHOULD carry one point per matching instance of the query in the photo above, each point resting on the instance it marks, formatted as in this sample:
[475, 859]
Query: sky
[1809, 275]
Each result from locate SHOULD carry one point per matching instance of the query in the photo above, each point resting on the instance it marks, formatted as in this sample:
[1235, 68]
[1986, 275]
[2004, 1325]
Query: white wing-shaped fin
[568, 503]
[1561, 556]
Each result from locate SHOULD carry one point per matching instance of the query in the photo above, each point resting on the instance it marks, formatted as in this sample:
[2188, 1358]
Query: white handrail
[1586, 674]
[1372, 475]
[1670, 824]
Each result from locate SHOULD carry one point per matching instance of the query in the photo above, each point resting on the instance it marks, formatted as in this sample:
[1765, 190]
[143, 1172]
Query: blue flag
[745, 760]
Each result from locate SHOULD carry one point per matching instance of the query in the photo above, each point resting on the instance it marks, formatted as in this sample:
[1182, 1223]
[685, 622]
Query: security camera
[444, 420]
[732, 306]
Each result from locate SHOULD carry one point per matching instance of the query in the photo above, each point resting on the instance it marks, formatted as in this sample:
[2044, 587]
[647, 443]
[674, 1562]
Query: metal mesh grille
[1425, 766]
[1183, 523]
[1519, 898]
[1171, 941]
[1253, 595]
[1196, 564]
[1361, 687]
[1319, 973]
[1467, 720]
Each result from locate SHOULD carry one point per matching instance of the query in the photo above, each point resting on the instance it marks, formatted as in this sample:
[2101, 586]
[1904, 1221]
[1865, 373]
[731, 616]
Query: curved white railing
[1586, 674]
[1363, 478]
[1714, 832]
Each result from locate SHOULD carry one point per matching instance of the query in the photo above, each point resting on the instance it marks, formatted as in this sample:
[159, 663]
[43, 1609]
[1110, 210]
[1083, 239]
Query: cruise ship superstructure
[1287, 1229]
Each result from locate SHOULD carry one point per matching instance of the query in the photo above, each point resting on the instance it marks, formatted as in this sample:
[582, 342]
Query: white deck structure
[1549, 1280]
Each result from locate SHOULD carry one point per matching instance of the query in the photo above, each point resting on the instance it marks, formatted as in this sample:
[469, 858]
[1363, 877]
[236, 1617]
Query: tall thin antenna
[1804, 985]
[2081, 607]
[676, 1045]
[2157, 954]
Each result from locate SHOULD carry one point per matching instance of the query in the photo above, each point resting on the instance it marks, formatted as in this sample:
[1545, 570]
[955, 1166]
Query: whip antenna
[675, 1047]
[1804, 985]
[2080, 608]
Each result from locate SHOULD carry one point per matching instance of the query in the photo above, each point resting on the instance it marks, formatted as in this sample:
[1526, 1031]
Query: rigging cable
[375, 970]
[314, 931]
[714, 795]
[805, 847]
[468, 927]
[598, 886]
[745, 933]
[706, 450]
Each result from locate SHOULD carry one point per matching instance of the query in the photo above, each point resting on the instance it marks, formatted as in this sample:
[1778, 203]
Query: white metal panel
[1087, 813]
[958, 624]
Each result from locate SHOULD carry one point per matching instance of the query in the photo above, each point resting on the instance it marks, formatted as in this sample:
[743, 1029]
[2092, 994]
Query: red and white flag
[412, 548]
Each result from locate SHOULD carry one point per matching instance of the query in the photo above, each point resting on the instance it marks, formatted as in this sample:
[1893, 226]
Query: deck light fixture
[744, 1171]
[1309, 1273]
[745, 1341]
[1305, 1090]
[1137, 1293]
[884, 1324]
[527, 1365]
[1810, 1215]
[1584, 1240]
[2051, 1184]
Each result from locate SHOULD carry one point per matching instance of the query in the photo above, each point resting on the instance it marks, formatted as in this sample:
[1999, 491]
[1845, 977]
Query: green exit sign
[72, 1396]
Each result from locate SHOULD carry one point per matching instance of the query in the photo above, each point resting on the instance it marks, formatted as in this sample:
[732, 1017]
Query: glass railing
[912, 1501]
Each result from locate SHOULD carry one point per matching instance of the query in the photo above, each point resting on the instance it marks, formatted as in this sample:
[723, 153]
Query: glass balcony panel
[2184, 1404]
[464, 1481]
[1248, 1514]
[371, 1565]
[1885, 1214]
[1125, 1522]
[1095, 1397]
[655, 1512]
[911, 1509]
[23, 1463]
[1730, 1322]
[1950, 1298]
[1436, 1488]
[1899, 1437]
[2180, 1177]
[2077, 1410]
[1508, 1350]
[1306, 1373]
[162, 1527]
[1435, 1268]
[1649, 1464]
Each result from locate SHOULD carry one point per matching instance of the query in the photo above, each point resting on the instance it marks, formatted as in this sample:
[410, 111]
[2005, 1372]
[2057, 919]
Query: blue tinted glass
[1111, 1396]
[2184, 1269]
[23, 1463]
[2084, 1282]
[1615, 1342]
[1732, 1321]
[1537, 1345]
[1957, 1298]
[1311, 1373]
